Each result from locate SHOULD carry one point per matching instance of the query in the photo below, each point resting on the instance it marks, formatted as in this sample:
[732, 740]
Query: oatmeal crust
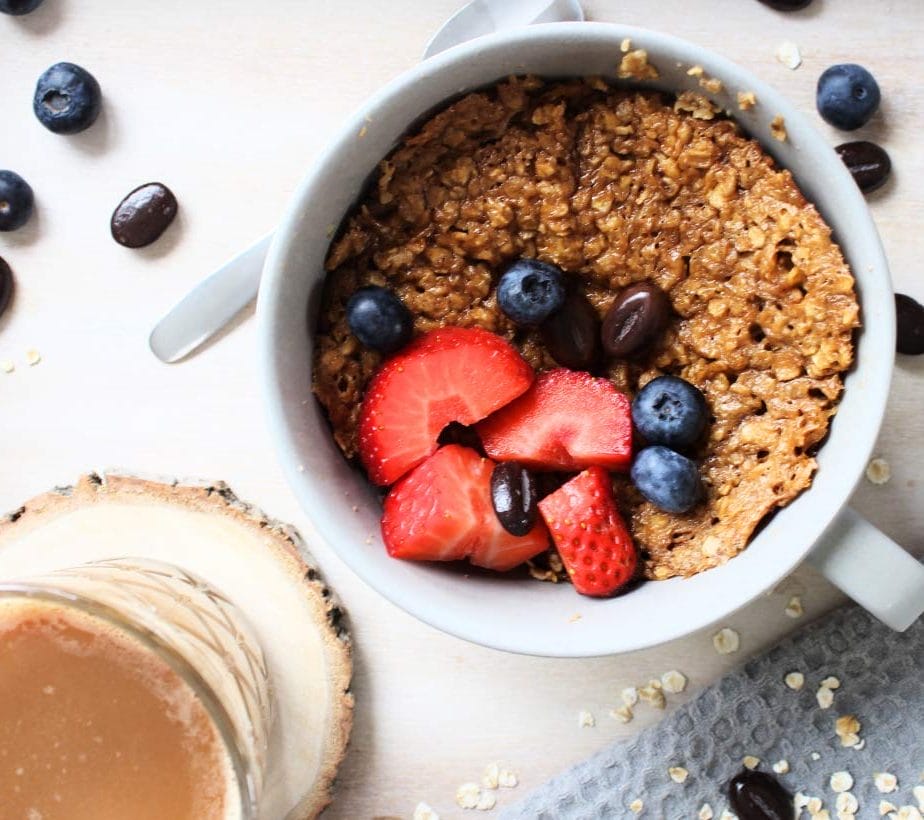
[615, 187]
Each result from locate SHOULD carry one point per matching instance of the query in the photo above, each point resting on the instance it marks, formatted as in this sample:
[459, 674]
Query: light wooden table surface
[227, 102]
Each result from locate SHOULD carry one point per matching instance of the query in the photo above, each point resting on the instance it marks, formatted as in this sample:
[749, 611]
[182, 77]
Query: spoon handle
[209, 306]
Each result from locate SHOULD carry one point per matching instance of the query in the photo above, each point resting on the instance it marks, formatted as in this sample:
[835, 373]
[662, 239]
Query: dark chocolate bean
[572, 334]
[759, 796]
[786, 5]
[143, 215]
[868, 163]
[909, 318]
[6, 285]
[514, 496]
[633, 321]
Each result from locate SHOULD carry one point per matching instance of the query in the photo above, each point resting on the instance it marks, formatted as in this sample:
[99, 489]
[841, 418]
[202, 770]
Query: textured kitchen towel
[751, 711]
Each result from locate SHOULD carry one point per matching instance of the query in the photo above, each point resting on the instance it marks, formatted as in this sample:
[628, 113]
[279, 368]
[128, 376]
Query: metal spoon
[216, 300]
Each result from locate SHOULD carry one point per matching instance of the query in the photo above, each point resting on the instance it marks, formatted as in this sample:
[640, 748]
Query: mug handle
[872, 569]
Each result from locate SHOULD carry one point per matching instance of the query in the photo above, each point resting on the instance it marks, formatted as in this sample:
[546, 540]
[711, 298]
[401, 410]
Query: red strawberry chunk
[441, 511]
[567, 420]
[451, 374]
[590, 535]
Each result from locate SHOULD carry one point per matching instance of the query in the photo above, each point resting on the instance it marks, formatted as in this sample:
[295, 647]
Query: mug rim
[829, 492]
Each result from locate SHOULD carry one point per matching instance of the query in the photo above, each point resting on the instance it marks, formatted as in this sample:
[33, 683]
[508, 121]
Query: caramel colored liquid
[94, 726]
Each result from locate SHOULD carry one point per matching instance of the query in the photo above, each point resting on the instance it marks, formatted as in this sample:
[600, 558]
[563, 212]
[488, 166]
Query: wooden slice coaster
[260, 564]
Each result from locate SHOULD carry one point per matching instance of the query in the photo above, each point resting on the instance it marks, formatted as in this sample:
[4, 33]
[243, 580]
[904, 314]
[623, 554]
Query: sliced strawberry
[589, 533]
[500, 550]
[451, 374]
[567, 420]
[441, 511]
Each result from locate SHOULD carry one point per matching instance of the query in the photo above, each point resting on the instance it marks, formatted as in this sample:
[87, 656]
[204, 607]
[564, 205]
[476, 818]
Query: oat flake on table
[878, 471]
[726, 641]
[424, 812]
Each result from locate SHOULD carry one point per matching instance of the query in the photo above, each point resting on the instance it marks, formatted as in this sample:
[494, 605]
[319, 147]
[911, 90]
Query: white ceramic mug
[532, 617]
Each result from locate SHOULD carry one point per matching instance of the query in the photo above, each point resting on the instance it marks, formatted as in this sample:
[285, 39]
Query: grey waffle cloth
[752, 712]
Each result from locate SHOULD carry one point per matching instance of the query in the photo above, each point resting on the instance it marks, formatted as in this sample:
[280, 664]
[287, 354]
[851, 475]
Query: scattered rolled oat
[574, 618]
[586, 719]
[847, 728]
[33, 357]
[800, 801]
[363, 131]
[695, 71]
[467, 796]
[918, 792]
[788, 54]
[696, 105]
[653, 696]
[727, 815]
[813, 805]
[907, 813]
[824, 814]
[778, 128]
[629, 696]
[825, 697]
[750, 762]
[622, 713]
[781, 766]
[794, 607]
[726, 641]
[816, 756]
[885, 782]
[424, 812]
[712, 84]
[794, 680]
[673, 682]
[831, 682]
[487, 800]
[705, 812]
[636, 806]
[635, 66]
[746, 100]
[7, 366]
[678, 774]
[625, 45]
[841, 781]
[858, 746]
[491, 777]
[507, 779]
[885, 807]
[846, 803]
[878, 471]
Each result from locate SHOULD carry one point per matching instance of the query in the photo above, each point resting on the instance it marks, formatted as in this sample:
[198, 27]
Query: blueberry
[670, 411]
[17, 7]
[67, 99]
[667, 479]
[379, 319]
[847, 96]
[15, 201]
[530, 291]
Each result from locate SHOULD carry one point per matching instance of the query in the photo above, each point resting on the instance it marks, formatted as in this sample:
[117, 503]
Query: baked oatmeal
[615, 187]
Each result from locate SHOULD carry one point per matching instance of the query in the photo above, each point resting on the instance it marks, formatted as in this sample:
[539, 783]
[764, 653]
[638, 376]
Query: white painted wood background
[227, 102]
